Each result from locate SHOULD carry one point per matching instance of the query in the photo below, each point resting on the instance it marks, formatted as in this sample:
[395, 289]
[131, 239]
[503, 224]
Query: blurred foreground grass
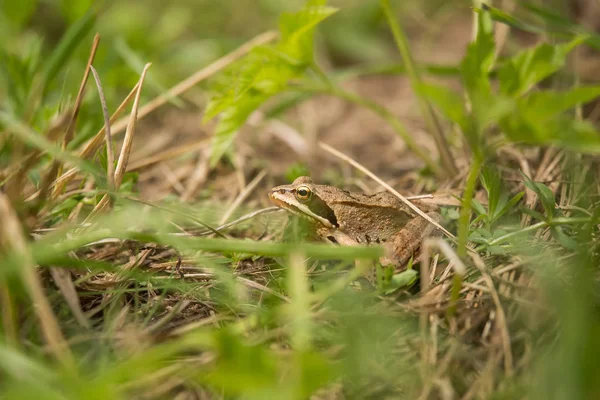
[107, 295]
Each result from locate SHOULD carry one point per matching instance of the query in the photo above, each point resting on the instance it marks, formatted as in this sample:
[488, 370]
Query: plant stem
[384, 113]
[467, 202]
[463, 228]
[475, 21]
[300, 315]
[539, 225]
[415, 80]
[454, 294]
[322, 75]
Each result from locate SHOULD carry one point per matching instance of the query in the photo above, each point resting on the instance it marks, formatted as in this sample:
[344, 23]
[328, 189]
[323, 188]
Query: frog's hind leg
[408, 241]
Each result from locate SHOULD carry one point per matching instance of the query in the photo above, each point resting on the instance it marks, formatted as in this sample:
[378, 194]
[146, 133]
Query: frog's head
[302, 198]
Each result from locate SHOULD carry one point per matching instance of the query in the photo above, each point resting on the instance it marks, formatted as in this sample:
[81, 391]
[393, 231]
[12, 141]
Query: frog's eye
[303, 193]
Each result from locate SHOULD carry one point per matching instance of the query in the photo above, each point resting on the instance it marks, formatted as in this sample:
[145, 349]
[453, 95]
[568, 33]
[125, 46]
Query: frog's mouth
[300, 209]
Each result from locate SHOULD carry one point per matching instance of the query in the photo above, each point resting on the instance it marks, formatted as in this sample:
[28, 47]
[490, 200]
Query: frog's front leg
[408, 241]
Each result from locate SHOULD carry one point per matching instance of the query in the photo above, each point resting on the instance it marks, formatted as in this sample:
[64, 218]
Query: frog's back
[380, 199]
[372, 218]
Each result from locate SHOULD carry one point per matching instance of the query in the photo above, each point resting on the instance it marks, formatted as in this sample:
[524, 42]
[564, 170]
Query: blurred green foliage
[178, 36]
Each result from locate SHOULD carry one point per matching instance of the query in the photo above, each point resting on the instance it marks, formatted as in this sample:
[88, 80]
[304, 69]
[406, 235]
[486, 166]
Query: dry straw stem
[14, 242]
[64, 282]
[92, 146]
[198, 178]
[500, 316]
[168, 154]
[70, 132]
[163, 321]
[128, 140]
[199, 76]
[89, 148]
[110, 157]
[242, 196]
[454, 260]
[459, 271]
[125, 149]
[361, 168]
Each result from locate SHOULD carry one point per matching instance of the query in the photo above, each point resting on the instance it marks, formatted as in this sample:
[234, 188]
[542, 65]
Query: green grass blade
[67, 45]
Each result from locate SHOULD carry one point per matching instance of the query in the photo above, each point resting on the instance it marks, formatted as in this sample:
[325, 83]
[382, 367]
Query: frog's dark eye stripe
[320, 208]
[303, 193]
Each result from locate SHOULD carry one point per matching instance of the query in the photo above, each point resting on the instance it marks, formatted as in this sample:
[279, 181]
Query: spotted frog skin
[349, 218]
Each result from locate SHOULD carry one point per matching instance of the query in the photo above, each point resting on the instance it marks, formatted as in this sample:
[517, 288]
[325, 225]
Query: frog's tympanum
[347, 218]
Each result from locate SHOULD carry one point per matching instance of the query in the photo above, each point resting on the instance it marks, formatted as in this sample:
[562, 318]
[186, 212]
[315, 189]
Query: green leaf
[481, 217]
[550, 17]
[492, 183]
[497, 250]
[521, 72]
[479, 59]
[573, 134]
[479, 208]
[403, 279]
[548, 103]
[297, 29]
[18, 12]
[264, 73]
[474, 69]
[561, 25]
[539, 119]
[315, 371]
[492, 109]
[564, 239]
[532, 213]
[544, 193]
[561, 131]
[555, 24]
[480, 236]
[17, 73]
[507, 19]
[296, 170]
[507, 206]
[74, 9]
[448, 101]
[232, 118]
[65, 48]
[241, 368]
[498, 203]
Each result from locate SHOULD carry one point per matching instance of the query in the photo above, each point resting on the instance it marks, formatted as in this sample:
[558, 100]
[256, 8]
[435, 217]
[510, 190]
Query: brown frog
[347, 218]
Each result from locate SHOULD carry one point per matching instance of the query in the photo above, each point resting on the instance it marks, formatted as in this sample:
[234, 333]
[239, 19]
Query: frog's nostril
[282, 191]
